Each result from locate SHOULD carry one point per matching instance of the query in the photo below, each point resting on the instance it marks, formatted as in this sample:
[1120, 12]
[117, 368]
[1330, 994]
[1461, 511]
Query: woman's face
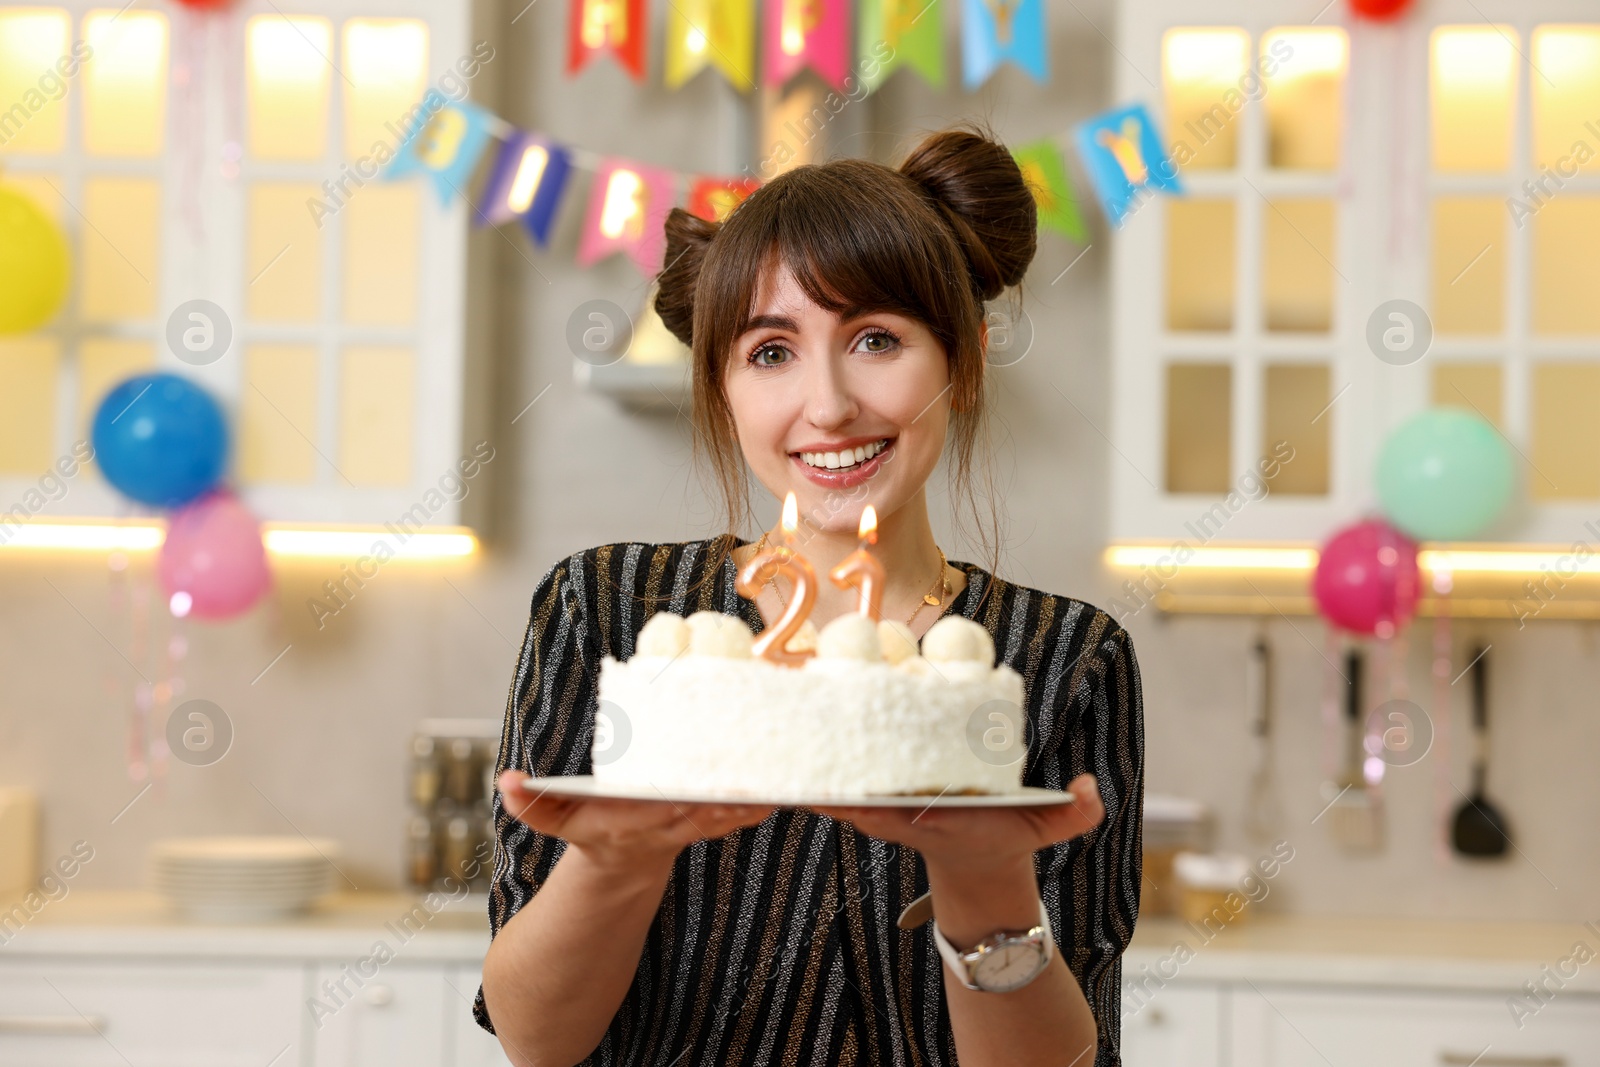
[845, 410]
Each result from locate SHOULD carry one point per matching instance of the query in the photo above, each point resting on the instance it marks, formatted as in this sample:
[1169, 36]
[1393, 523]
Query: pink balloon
[1367, 579]
[213, 553]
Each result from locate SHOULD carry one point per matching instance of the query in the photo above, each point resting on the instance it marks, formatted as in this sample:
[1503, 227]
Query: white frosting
[665, 634]
[896, 640]
[804, 639]
[852, 636]
[955, 639]
[712, 633]
[840, 725]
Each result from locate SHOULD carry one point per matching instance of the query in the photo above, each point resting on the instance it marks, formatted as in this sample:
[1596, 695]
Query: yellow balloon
[35, 268]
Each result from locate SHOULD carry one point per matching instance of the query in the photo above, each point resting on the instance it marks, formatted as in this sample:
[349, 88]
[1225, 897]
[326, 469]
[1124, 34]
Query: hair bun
[980, 188]
[688, 237]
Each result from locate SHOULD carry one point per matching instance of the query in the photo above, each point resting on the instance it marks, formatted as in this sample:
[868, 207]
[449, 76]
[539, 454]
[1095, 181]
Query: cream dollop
[712, 633]
[850, 636]
[805, 638]
[665, 634]
[954, 639]
[897, 640]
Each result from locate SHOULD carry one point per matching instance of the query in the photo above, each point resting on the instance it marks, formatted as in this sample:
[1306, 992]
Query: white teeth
[849, 458]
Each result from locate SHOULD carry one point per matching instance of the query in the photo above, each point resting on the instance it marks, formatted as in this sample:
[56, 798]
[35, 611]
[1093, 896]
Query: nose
[829, 400]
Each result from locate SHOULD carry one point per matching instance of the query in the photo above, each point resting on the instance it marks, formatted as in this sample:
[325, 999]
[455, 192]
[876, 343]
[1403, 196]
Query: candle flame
[791, 514]
[869, 524]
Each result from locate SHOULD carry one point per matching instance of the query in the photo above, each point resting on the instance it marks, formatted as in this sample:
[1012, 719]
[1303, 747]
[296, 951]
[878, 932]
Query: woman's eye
[756, 356]
[883, 340]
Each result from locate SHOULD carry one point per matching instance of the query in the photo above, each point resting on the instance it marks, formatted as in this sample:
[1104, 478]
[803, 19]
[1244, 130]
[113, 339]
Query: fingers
[547, 814]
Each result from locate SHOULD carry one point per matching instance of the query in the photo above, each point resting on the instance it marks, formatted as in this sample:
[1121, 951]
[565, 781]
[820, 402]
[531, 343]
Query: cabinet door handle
[1467, 1059]
[52, 1025]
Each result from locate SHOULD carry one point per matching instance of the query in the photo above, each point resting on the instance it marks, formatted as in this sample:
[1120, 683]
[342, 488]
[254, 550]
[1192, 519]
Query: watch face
[1009, 966]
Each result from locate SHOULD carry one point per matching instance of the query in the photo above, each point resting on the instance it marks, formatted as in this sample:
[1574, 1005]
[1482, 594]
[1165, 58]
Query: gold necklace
[928, 599]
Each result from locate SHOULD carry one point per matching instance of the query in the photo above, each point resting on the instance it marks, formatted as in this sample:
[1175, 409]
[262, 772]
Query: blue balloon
[160, 439]
[1444, 475]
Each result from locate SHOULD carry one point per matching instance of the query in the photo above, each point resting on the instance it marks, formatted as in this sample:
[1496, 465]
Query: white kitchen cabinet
[1172, 1026]
[190, 1014]
[396, 1018]
[1288, 1026]
[472, 1044]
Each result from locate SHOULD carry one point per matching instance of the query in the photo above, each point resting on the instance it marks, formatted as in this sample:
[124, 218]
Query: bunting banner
[1121, 150]
[721, 33]
[1046, 174]
[444, 142]
[628, 209]
[527, 181]
[802, 33]
[713, 198]
[595, 26]
[993, 31]
[911, 30]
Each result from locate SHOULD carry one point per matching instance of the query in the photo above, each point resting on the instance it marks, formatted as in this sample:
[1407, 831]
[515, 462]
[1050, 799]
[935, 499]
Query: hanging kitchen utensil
[1479, 830]
[1263, 810]
[1354, 814]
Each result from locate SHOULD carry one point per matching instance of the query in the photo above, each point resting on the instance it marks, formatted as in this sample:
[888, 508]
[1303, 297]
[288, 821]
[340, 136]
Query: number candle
[782, 559]
[862, 569]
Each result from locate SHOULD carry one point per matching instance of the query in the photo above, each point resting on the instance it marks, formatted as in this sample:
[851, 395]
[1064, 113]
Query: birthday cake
[861, 710]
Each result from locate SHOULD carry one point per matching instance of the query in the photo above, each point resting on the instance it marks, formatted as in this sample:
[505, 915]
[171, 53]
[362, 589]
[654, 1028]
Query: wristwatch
[1003, 961]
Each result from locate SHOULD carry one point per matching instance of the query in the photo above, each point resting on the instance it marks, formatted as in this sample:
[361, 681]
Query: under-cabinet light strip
[439, 543]
[1566, 563]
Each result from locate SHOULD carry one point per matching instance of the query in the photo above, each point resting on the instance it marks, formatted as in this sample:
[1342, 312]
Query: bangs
[847, 241]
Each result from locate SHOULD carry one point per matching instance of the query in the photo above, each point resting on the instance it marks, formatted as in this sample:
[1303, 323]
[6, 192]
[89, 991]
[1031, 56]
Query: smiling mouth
[846, 460]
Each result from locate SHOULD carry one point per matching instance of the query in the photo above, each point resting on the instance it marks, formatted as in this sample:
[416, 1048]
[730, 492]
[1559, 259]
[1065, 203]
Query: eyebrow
[784, 322]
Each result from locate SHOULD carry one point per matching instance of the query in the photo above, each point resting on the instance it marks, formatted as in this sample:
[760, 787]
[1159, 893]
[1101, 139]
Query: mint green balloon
[1444, 475]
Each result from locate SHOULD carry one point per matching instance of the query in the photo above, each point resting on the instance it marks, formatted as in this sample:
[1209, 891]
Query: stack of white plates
[243, 879]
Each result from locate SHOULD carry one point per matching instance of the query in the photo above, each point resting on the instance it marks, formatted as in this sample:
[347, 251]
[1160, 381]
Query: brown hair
[953, 227]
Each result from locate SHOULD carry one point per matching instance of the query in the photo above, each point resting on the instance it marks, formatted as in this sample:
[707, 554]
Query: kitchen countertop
[1322, 950]
[1337, 950]
[339, 926]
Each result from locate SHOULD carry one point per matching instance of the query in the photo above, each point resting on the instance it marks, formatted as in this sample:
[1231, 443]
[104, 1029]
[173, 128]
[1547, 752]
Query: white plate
[584, 785]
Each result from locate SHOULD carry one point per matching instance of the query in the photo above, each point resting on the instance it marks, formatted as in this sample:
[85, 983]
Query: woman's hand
[955, 838]
[623, 833]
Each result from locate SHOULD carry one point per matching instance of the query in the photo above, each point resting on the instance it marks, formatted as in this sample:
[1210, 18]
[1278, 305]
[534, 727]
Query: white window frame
[1385, 189]
[215, 269]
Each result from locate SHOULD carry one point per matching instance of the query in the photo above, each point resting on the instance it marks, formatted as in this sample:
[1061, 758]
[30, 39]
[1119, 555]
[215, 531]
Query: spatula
[1355, 817]
[1480, 830]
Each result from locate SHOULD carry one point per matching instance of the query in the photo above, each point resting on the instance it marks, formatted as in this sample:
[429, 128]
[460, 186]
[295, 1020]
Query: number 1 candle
[862, 569]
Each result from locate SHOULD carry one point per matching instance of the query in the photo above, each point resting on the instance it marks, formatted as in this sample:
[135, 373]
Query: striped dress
[778, 944]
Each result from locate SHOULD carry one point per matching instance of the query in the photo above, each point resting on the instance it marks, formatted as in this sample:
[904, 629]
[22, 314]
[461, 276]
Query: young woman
[837, 322]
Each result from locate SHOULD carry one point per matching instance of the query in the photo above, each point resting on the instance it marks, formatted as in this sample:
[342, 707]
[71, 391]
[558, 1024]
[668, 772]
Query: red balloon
[1367, 579]
[1382, 10]
[214, 557]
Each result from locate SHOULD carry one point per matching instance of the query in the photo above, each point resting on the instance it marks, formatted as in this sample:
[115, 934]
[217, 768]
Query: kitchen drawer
[1283, 1026]
[394, 1018]
[74, 1014]
[1171, 1026]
